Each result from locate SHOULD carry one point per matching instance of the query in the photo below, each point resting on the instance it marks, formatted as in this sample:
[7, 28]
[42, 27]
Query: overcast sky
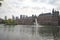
[27, 7]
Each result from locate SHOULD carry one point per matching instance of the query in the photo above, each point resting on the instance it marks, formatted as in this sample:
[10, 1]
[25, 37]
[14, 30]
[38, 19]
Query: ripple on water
[22, 32]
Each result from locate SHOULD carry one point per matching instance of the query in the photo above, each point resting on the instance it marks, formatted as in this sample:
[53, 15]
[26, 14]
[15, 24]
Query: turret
[55, 13]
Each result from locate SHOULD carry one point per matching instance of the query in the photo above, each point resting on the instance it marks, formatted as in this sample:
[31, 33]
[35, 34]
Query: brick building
[45, 18]
[25, 20]
[49, 18]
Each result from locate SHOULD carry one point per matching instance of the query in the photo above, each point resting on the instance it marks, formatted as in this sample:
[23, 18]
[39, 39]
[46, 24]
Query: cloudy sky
[27, 7]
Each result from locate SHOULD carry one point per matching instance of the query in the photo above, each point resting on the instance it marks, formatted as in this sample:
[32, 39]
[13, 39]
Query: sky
[27, 7]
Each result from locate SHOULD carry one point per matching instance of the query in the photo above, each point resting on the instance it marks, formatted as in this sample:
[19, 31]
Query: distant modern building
[44, 18]
[17, 18]
[13, 18]
[21, 16]
[25, 20]
[5, 17]
[1, 21]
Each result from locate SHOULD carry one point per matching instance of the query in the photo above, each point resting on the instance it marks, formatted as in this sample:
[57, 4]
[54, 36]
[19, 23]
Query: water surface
[26, 32]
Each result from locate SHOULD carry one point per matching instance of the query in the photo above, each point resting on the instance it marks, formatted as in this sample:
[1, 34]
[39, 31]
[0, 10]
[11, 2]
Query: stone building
[25, 21]
[45, 18]
[49, 18]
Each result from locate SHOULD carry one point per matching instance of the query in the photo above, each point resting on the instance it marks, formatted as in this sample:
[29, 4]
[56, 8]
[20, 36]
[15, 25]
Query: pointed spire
[53, 10]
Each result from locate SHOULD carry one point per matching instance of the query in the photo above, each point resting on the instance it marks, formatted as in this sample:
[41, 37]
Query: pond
[28, 32]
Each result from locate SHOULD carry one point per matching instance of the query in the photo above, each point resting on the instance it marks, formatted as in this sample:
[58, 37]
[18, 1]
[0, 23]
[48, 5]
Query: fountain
[36, 26]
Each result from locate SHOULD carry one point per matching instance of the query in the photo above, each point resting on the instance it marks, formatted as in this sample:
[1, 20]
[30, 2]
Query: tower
[5, 17]
[55, 13]
[13, 17]
[17, 18]
[20, 16]
[55, 17]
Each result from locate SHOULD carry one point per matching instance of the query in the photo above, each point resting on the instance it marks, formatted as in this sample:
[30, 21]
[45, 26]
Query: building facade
[49, 18]
[25, 20]
[45, 18]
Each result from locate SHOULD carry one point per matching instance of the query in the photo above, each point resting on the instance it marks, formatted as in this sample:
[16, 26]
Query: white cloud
[27, 7]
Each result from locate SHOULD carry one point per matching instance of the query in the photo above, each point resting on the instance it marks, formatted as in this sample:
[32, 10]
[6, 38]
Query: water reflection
[51, 32]
[27, 32]
[5, 27]
[33, 31]
[9, 27]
